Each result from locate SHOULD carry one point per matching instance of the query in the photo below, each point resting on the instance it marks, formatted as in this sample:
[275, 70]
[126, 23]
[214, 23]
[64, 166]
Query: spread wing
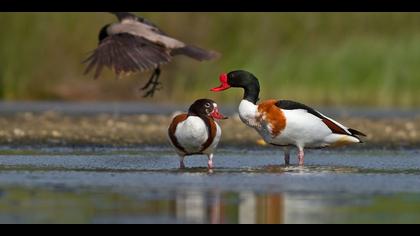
[125, 54]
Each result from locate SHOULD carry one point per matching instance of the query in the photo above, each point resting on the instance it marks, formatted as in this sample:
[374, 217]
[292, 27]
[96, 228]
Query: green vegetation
[347, 59]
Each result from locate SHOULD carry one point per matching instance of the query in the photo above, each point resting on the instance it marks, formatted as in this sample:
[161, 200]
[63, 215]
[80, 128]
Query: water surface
[144, 185]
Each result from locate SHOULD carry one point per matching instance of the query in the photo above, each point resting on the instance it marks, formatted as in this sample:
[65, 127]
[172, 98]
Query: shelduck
[196, 132]
[283, 122]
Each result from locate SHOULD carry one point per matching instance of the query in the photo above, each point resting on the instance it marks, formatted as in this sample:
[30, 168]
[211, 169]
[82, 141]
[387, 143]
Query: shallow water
[144, 185]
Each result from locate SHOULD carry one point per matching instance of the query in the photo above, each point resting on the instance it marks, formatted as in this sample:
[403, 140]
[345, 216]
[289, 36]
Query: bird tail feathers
[196, 53]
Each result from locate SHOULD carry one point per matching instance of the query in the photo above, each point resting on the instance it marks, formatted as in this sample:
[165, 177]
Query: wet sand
[58, 129]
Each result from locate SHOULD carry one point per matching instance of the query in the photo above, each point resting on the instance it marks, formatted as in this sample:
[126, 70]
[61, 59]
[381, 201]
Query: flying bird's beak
[225, 85]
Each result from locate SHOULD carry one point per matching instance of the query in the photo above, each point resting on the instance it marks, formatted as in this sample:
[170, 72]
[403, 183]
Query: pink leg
[286, 156]
[210, 162]
[181, 162]
[301, 157]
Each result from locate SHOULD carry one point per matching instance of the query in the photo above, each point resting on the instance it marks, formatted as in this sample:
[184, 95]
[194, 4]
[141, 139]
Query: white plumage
[193, 133]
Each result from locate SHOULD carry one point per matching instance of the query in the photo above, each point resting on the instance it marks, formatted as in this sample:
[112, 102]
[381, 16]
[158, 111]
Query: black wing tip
[132, 57]
[356, 132]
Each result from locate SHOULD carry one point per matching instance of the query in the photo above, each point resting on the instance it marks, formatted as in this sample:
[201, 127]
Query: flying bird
[134, 44]
[284, 122]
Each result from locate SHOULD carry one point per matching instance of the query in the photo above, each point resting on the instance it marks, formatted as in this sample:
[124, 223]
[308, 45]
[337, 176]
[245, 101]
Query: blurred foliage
[346, 59]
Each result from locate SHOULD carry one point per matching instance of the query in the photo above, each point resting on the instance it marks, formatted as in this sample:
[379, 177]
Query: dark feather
[291, 105]
[195, 52]
[126, 53]
[356, 132]
[334, 127]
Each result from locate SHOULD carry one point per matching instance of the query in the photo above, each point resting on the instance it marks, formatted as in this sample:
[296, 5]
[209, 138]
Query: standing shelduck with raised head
[283, 122]
[196, 132]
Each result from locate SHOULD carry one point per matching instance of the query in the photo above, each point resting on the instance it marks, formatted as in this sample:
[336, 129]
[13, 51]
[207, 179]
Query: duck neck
[252, 94]
[248, 112]
[248, 109]
[203, 117]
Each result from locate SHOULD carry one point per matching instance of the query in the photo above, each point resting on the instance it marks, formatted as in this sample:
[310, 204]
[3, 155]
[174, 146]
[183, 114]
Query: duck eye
[207, 105]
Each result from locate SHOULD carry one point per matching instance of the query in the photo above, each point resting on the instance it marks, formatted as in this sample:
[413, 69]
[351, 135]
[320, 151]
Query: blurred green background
[331, 59]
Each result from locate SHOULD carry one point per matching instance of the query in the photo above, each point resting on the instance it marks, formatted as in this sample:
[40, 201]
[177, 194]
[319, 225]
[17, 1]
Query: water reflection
[186, 206]
[224, 208]
[21, 205]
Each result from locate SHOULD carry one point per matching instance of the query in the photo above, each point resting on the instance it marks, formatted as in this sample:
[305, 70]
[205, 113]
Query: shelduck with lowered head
[196, 132]
[283, 122]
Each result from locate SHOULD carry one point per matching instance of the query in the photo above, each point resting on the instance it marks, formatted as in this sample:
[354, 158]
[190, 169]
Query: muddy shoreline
[56, 129]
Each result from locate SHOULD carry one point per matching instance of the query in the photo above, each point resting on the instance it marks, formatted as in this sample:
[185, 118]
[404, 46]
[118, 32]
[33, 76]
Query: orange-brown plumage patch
[211, 126]
[172, 129]
[334, 127]
[273, 115]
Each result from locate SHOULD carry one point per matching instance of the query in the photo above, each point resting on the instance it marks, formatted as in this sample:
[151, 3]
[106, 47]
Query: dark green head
[240, 79]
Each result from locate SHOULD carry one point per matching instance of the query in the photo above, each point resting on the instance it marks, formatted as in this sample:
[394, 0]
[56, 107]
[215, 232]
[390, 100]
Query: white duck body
[193, 133]
[301, 128]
